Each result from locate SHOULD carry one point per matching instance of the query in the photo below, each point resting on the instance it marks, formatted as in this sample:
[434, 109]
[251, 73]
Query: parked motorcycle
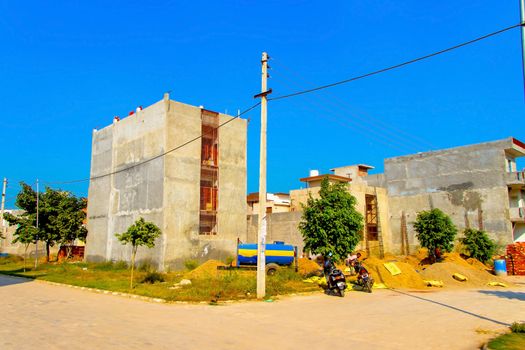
[363, 277]
[335, 279]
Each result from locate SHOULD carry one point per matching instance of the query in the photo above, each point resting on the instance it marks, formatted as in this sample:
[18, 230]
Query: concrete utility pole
[261, 237]
[2, 209]
[36, 242]
[522, 17]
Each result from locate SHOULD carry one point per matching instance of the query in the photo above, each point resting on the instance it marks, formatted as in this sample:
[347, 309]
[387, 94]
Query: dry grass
[208, 284]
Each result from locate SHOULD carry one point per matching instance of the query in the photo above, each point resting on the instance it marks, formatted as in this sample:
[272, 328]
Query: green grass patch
[114, 276]
[511, 341]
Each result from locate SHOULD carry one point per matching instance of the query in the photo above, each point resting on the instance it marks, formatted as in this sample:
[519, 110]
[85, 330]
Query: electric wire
[396, 65]
[153, 158]
[386, 135]
[394, 132]
[376, 135]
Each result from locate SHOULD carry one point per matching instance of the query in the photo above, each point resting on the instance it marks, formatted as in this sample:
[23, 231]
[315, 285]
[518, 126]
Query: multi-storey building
[179, 166]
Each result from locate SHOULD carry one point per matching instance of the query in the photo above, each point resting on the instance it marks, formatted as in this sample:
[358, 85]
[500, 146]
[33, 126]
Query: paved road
[37, 315]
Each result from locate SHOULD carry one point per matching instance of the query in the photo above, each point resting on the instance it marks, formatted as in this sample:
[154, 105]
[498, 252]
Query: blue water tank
[500, 267]
[277, 253]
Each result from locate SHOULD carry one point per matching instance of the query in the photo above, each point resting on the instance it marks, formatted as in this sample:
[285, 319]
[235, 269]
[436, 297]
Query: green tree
[25, 232]
[69, 221]
[331, 223]
[478, 244]
[60, 215]
[435, 231]
[141, 233]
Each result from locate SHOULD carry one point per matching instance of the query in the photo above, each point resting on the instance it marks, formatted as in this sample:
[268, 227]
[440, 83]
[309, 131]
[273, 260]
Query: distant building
[175, 165]
[371, 202]
[478, 186]
[275, 203]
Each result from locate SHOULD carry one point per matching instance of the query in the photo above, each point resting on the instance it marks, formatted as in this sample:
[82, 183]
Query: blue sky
[67, 67]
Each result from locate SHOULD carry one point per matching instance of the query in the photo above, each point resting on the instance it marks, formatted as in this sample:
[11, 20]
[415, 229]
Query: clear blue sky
[67, 67]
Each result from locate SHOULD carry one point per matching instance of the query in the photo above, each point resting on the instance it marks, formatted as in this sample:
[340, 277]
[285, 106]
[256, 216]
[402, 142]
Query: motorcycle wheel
[342, 293]
[369, 285]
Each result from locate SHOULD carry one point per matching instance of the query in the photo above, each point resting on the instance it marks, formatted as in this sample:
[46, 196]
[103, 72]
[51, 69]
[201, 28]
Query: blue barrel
[500, 267]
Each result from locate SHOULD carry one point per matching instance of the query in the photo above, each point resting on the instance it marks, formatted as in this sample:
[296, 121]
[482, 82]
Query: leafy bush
[146, 266]
[518, 327]
[478, 244]
[111, 266]
[191, 264]
[152, 277]
[435, 231]
[10, 259]
[230, 260]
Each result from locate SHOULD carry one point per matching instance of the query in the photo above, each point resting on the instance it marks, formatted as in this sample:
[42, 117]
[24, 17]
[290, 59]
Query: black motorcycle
[336, 280]
[363, 277]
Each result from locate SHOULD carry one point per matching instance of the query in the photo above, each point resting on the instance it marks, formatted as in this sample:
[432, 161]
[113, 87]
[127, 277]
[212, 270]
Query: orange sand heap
[206, 270]
[408, 278]
[445, 270]
[307, 266]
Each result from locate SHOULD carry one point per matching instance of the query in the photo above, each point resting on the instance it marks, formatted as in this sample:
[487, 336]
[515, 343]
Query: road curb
[104, 291]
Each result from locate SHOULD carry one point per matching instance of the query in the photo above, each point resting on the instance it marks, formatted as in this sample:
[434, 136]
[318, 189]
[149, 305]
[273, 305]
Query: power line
[156, 157]
[397, 65]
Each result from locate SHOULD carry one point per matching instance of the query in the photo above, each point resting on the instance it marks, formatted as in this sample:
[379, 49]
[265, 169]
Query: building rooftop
[329, 176]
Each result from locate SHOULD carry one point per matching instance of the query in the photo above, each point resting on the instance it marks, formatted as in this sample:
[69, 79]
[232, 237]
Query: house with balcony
[478, 186]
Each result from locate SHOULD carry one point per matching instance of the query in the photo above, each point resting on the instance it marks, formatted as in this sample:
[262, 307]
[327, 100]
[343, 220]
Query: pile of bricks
[516, 258]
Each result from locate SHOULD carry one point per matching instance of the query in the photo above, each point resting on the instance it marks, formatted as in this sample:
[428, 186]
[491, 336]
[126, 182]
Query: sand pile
[408, 278]
[444, 270]
[206, 270]
[478, 265]
[307, 267]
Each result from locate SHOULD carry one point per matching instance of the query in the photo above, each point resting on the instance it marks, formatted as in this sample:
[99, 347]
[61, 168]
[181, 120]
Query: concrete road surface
[36, 315]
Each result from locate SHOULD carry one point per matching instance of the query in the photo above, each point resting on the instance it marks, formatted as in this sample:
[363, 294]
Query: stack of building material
[516, 258]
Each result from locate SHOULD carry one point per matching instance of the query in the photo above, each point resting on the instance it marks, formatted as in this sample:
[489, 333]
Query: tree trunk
[69, 249]
[47, 251]
[133, 253]
[25, 256]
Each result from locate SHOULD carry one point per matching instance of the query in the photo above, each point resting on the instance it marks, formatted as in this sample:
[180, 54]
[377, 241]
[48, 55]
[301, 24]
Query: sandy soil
[43, 316]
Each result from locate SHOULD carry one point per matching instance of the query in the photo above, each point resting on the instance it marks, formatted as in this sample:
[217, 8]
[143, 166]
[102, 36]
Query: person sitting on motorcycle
[328, 265]
[351, 261]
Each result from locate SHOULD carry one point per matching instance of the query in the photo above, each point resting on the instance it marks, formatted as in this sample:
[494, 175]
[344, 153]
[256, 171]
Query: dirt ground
[44, 316]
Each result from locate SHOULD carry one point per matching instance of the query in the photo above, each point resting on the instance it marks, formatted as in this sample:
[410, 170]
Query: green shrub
[518, 327]
[230, 260]
[10, 259]
[111, 266]
[478, 244]
[191, 264]
[152, 277]
[146, 266]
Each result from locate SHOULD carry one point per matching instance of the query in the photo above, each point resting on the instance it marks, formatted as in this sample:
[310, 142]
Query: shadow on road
[505, 294]
[453, 308]
[6, 280]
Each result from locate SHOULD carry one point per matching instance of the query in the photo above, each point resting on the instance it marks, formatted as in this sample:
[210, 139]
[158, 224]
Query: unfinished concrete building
[175, 165]
[478, 186]
[371, 202]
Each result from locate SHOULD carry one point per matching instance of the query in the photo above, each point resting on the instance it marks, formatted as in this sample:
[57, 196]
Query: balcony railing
[516, 178]
[517, 214]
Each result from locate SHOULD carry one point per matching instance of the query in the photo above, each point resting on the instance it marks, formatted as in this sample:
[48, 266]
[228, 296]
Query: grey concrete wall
[116, 201]
[467, 183]
[98, 192]
[280, 227]
[182, 184]
[165, 190]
